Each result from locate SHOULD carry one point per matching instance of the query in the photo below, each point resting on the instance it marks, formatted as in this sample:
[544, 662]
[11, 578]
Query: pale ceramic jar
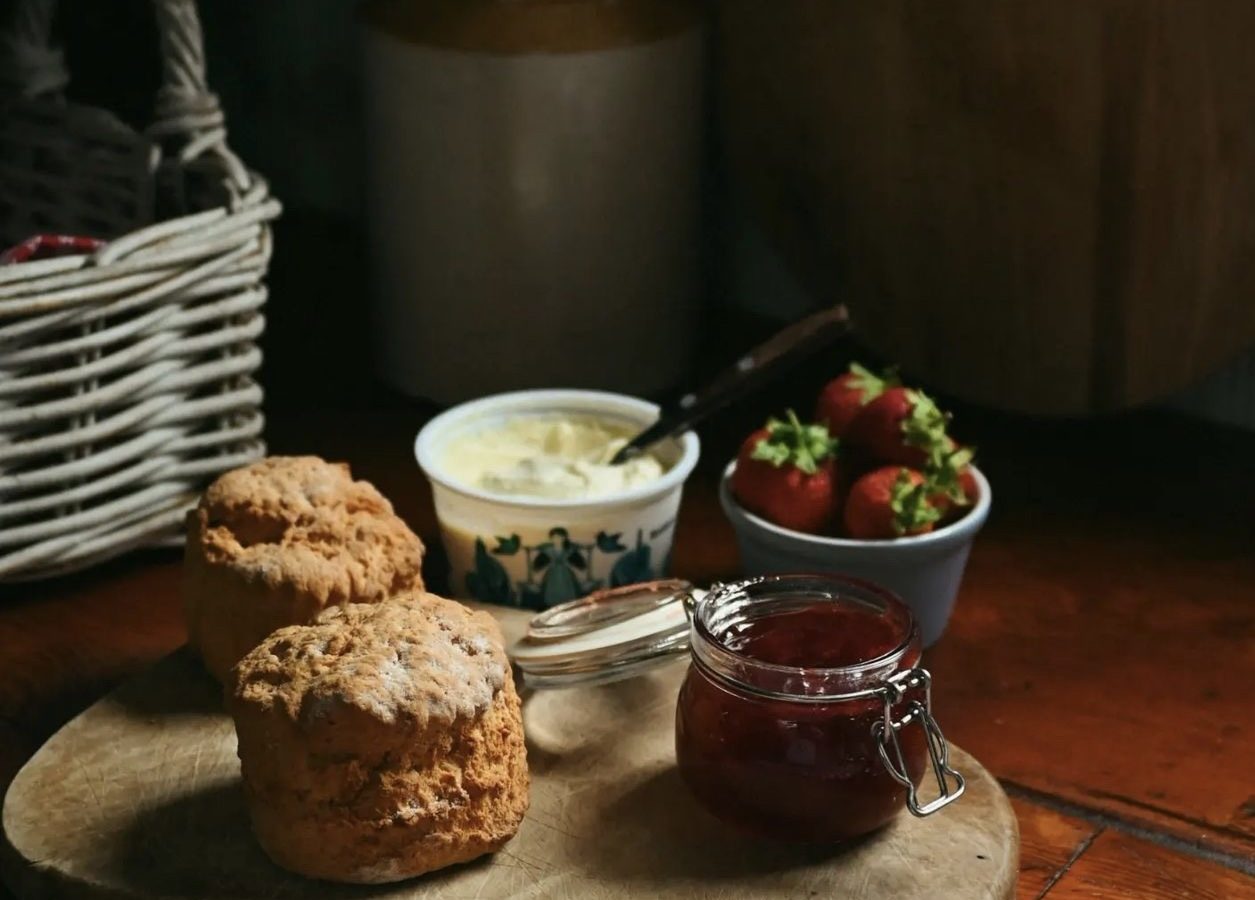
[533, 181]
[533, 552]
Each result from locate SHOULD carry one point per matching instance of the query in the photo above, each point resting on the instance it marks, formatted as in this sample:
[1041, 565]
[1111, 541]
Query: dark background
[287, 74]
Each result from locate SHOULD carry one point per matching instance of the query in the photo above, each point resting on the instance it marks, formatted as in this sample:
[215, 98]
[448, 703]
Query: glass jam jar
[804, 715]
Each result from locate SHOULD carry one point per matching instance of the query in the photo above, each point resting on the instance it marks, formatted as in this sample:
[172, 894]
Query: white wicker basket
[125, 375]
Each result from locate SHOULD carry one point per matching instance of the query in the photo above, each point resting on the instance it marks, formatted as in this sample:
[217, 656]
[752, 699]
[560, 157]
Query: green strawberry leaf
[870, 384]
[910, 504]
[944, 477]
[792, 442]
[961, 458]
[770, 451]
[925, 428]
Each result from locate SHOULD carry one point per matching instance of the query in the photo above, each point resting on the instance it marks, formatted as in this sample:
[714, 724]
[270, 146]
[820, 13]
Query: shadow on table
[200, 847]
[176, 684]
[672, 839]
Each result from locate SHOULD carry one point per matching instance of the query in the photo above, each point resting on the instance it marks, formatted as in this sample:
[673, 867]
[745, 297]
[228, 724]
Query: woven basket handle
[30, 66]
[185, 105]
[186, 108]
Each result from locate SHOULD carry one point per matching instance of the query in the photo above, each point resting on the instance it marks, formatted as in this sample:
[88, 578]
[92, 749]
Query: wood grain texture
[1123, 645]
[1049, 843]
[1064, 185]
[1129, 725]
[1116, 860]
[140, 797]
[65, 642]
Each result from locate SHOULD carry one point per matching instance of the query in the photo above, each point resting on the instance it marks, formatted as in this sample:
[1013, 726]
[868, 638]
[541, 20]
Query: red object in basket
[47, 246]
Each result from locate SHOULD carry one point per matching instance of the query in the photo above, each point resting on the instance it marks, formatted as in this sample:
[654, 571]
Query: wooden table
[1101, 661]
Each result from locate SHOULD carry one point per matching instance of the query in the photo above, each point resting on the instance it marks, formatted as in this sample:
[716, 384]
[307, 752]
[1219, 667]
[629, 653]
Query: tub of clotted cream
[532, 512]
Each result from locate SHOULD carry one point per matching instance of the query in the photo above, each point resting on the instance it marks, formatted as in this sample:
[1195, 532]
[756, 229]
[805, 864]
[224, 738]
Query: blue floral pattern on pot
[560, 568]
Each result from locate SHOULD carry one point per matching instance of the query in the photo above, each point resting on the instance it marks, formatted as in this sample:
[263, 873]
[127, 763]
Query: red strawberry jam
[774, 725]
[817, 635]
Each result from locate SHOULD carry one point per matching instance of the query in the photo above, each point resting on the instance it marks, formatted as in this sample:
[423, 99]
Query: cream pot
[531, 514]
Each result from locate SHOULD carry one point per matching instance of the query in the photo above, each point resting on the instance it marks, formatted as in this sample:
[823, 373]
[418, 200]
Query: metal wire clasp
[885, 731]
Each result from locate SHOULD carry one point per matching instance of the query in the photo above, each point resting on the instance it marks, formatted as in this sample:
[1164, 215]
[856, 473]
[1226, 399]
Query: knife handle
[790, 344]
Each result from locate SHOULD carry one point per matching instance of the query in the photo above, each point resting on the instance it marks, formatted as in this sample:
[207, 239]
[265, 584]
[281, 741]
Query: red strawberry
[889, 502]
[953, 484]
[843, 397]
[901, 426]
[787, 473]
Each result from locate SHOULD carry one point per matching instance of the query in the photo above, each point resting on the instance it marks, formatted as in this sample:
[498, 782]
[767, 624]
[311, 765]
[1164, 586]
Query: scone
[381, 741]
[276, 542]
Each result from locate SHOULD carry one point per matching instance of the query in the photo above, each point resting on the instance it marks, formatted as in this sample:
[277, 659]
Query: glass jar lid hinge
[950, 783]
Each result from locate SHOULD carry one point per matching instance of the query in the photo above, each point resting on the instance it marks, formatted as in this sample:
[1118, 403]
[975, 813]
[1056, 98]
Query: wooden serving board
[139, 797]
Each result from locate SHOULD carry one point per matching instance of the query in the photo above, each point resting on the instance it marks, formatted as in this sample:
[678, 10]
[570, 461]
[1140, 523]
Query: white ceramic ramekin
[537, 552]
[924, 570]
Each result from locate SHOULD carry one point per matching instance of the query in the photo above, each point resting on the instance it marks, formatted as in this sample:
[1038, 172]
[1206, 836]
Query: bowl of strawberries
[872, 486]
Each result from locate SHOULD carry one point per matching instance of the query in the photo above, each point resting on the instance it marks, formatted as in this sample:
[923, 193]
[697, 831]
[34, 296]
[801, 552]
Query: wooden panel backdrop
[1044, 205]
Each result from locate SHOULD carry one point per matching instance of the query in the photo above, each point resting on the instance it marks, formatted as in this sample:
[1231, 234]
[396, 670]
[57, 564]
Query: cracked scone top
[275, 542]
[381, 741]
[303, 519]
[417, 657]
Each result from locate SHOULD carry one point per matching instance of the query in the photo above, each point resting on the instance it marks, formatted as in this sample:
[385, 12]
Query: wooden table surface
[1101, 661]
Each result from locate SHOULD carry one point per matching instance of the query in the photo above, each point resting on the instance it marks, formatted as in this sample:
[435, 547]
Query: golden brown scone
[382, 741]
[276, 542]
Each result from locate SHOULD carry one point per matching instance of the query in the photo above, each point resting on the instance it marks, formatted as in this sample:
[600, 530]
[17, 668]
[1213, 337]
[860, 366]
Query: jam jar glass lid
[608, 635]
[616, 633]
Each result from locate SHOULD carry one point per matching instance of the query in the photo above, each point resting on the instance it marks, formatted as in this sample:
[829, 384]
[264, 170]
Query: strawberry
[902, 426]
[843, 397]
[787, 473]
[953, 485]
[889, 502]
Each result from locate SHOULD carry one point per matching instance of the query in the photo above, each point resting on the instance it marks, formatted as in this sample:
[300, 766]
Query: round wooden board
[139, 797]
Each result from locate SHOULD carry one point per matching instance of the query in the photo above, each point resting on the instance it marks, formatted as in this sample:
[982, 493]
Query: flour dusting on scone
[276, 542]
[381, 741]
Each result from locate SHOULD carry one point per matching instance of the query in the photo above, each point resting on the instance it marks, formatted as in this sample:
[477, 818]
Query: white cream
[549, 457]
